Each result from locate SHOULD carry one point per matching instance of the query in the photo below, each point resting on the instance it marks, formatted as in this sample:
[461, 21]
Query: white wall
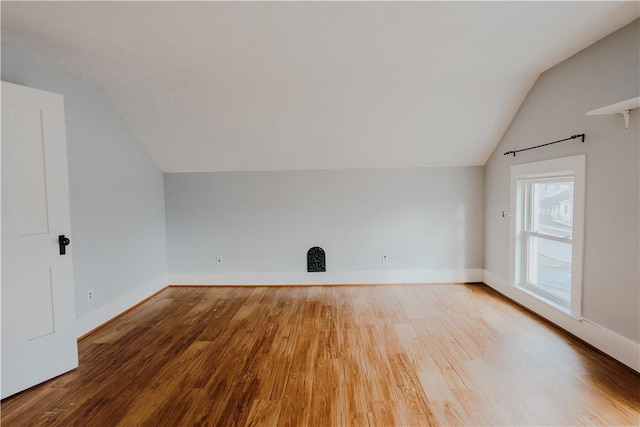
[605, 73]
[117, 196]
[429, 220]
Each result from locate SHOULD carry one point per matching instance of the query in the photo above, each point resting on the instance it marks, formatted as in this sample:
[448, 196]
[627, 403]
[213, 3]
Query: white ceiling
[219, 86]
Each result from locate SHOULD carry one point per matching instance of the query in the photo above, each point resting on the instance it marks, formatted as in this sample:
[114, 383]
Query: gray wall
[116, 190]
[424, 218]
[605, 73]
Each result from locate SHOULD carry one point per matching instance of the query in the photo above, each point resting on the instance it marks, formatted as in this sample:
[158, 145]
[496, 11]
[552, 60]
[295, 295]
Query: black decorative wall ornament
[315, 260]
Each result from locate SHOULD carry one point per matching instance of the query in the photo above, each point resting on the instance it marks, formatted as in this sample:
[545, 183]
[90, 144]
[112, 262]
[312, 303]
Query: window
[548, 201]
[547, 236]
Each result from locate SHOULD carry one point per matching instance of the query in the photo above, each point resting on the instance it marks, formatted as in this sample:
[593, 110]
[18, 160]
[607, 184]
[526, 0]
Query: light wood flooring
[405, 355]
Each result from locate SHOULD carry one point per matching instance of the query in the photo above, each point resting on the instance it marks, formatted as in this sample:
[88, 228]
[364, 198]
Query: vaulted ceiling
[220, 86]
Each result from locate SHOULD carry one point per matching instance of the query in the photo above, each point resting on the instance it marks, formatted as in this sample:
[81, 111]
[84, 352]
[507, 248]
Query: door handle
[62, 243]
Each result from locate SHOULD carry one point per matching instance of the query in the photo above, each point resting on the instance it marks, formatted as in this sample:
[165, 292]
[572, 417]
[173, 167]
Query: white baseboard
[103, 314]
[374, 277]
[615, 345]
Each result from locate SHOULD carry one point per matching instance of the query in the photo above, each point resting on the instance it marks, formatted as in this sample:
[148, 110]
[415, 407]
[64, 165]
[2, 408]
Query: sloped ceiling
[222, 86]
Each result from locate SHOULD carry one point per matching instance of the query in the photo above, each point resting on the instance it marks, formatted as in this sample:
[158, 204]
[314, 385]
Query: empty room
[320, 213]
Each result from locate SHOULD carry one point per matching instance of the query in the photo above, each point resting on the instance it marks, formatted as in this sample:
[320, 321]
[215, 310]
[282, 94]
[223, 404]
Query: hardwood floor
[409, 355]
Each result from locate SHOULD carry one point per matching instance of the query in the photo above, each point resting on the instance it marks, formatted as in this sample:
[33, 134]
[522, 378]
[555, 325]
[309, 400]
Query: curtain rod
[543, 145]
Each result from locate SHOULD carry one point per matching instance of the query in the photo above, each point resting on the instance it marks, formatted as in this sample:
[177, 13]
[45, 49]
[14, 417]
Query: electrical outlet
[385, 258]
[219, 259]
[90, 295]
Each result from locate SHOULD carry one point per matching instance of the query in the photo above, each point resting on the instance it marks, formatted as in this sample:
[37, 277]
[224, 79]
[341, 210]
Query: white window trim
[573, 165]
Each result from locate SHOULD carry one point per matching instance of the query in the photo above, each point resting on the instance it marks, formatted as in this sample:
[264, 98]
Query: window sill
[546, 298]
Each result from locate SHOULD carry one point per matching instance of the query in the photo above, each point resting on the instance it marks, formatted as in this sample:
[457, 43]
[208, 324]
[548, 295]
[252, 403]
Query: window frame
[521, 177]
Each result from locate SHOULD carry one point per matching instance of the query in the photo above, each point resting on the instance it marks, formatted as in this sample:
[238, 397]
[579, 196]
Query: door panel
[36, 283]
[38, 310]
[30, 174]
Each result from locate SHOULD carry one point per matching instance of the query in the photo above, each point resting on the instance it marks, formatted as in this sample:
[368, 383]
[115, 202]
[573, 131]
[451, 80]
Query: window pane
[552, 207]
[550, 267]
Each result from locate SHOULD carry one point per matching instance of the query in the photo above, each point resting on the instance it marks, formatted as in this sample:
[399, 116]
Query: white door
[38, 311]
